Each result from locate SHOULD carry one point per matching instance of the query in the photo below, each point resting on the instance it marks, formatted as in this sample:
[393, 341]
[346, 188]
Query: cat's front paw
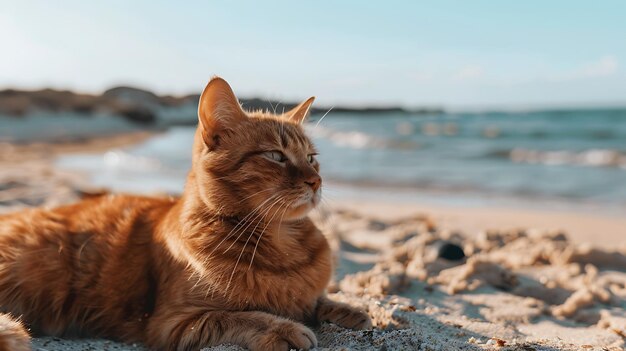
[286, 335]
[350, 317]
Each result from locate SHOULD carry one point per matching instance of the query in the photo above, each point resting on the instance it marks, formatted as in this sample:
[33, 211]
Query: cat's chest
[288, 293]
[289, 290]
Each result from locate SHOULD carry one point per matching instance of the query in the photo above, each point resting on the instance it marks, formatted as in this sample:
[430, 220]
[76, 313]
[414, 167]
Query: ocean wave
[360, 140]
[492, 131]
[587, 158]
[117, 159]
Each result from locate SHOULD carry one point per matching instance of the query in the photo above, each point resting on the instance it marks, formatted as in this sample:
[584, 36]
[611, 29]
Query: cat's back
[74, 262]
[106, 214]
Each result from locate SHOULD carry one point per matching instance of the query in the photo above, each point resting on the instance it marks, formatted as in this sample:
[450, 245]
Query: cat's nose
[314, 181]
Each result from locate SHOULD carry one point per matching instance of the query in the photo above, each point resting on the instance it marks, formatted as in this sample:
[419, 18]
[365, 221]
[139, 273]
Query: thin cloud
[603, 67]
[469, 72]
[606, 66]
[422, 76]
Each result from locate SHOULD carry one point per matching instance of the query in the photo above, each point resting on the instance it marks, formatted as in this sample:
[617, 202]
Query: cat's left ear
[299, 113]
[218, 110]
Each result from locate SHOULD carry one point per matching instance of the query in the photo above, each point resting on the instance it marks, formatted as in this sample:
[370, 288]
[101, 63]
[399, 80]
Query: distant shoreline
[142, 106]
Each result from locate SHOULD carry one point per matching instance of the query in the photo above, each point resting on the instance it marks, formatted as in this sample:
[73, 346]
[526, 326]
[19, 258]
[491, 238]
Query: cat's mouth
[308, 201]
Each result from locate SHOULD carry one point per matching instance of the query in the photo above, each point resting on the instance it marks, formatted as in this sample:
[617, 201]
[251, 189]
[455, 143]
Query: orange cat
[234, 260]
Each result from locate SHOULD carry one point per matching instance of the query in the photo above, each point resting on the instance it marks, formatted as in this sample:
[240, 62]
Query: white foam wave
[589, 158]
[359, 140]
[117, 159]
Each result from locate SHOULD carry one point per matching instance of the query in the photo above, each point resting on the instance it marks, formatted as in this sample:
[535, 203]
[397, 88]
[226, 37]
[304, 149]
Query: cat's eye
[275, 156]
[311, 158]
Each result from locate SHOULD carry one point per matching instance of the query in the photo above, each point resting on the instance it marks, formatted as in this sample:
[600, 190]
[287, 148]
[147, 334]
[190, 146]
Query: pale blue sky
[449, 53]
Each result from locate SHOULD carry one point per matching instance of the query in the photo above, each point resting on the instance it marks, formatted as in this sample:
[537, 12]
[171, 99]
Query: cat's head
[254, 163]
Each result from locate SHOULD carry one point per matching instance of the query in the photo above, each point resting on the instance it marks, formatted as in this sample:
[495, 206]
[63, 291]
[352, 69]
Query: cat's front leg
[249, 329]
[342, 314]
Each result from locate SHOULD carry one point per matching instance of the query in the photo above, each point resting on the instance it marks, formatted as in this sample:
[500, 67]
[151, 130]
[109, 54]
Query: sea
[561, 156]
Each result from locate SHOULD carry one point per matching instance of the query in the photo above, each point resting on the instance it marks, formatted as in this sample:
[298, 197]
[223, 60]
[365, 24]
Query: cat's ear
[299, 113]
[218, 110]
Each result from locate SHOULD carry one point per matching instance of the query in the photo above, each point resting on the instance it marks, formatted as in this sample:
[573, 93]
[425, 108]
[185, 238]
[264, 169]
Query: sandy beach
[528, 279]
[518, 289]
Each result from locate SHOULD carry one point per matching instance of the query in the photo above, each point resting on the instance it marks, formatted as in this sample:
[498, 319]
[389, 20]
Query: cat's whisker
[280, 202]
[282, 130]
[260, 236]
[273, 108]
[259, 222]
[264, 229]
[325, 207]
[219, 209]
[227, 236]
[246, 243]
[323, 214]
[321, 119]
[281, 219]
[329, 190]
[261, 214]
[198, 281]
[326, 201]
[246, 198]
[214, 288]
[257, 193]
[220, 178]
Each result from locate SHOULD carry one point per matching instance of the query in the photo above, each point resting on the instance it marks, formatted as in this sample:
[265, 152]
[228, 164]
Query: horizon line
[462, 108]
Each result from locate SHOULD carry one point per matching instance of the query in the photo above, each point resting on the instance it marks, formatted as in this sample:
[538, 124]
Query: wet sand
[600, 227]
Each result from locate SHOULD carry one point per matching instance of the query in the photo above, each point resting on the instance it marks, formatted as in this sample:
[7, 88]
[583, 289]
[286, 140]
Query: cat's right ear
[218, 111]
